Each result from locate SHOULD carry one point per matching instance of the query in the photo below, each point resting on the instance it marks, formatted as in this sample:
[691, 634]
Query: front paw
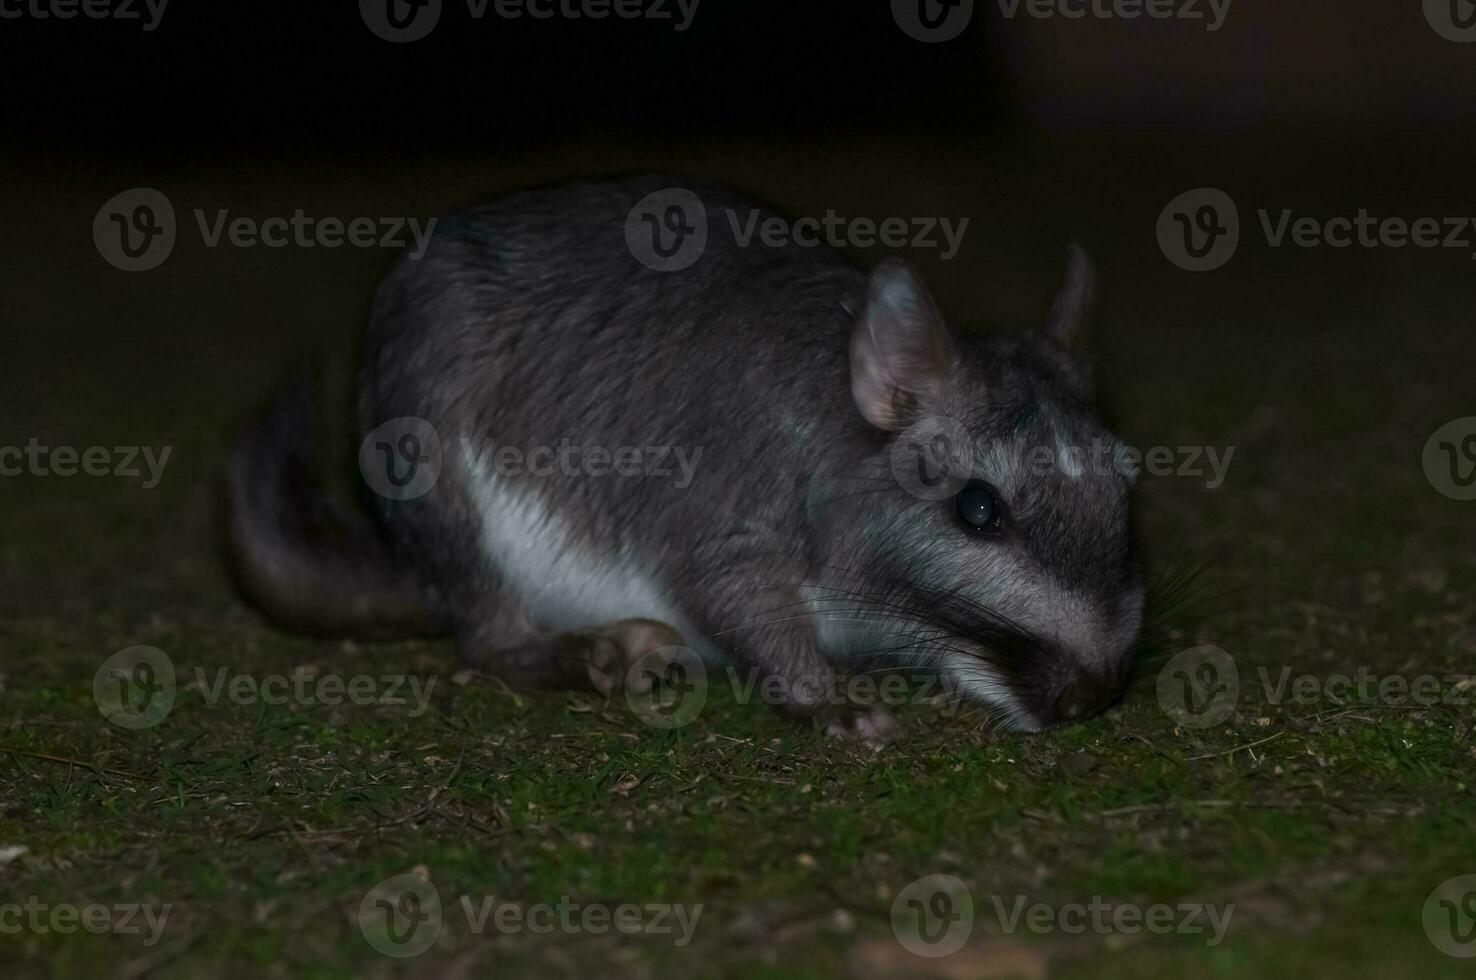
[870, 725]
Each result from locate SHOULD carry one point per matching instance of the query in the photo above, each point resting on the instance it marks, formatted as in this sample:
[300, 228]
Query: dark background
[251, 77]
[255, 77]
[1039, 131]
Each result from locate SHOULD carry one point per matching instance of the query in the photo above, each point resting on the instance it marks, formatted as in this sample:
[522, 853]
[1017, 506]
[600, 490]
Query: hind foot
[874, 725]
[599, 658]
[617, 648]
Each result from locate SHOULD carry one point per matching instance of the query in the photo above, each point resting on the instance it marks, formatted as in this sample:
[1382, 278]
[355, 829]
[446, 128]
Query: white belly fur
[564, 583]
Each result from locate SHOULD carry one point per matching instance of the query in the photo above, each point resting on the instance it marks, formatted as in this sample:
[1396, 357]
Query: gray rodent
[806, 394]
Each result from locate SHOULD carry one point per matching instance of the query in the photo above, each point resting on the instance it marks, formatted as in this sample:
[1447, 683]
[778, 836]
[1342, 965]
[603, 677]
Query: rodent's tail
[313, 563]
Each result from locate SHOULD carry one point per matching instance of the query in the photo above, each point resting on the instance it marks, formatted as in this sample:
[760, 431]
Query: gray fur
[529, 321]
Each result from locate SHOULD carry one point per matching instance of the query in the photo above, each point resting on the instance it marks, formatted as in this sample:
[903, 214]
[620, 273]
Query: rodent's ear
[901, 353]
[1067, 321]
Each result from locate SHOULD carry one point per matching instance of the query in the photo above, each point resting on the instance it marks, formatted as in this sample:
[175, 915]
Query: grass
[263, 827]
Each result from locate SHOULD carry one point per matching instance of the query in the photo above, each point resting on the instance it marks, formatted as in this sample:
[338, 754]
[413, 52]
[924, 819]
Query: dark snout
[1088, 693]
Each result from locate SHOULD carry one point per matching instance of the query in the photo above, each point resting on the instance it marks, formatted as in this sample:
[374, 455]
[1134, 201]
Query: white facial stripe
[978, 681]
[1017, 588]
[1067, 462]
[843, 633]
[1014, 586]
[1068, 458]
[563, 582]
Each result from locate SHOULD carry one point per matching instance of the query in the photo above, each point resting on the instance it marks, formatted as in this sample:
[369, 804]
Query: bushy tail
[311, 562]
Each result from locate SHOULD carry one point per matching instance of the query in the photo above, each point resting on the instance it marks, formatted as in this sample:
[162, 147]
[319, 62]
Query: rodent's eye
[977, 508]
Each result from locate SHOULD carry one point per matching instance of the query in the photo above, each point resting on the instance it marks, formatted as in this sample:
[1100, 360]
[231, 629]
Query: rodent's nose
[1084, 697]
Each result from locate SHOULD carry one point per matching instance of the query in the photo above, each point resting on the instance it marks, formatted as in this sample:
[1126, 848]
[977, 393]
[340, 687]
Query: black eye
[977, 508]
